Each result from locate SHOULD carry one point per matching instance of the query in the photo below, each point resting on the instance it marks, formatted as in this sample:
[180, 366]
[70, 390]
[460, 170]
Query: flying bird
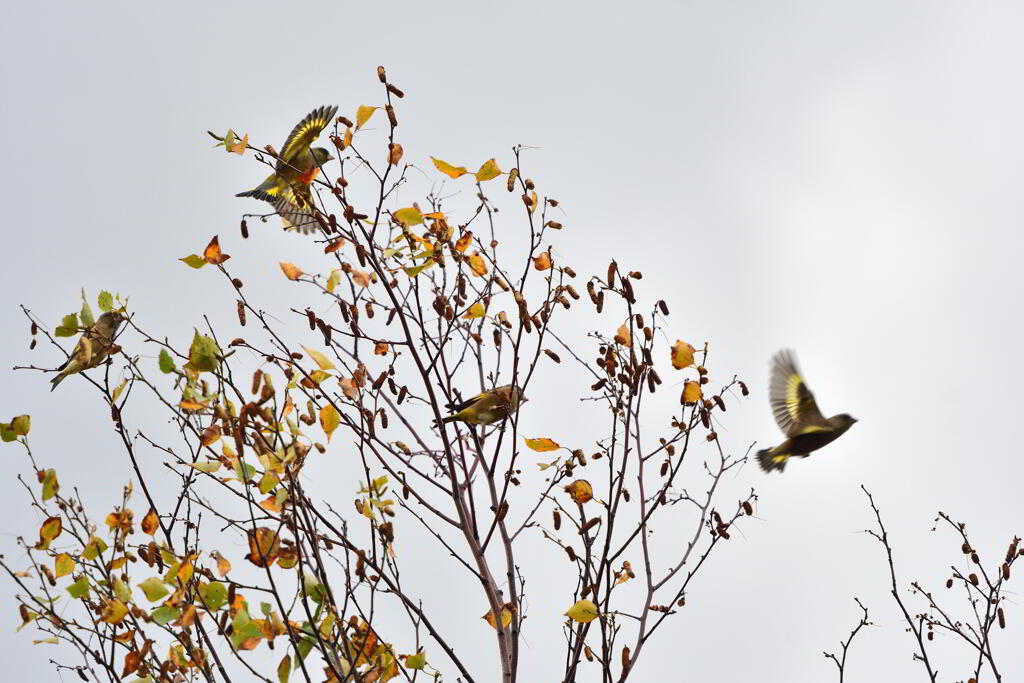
[92, 347]
[488, 407]
[298, 164]
[797, 415]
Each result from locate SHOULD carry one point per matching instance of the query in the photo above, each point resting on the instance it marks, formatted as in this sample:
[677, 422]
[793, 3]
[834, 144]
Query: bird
[487, 408]
[298, 164]
[92, 348]
[798, 416]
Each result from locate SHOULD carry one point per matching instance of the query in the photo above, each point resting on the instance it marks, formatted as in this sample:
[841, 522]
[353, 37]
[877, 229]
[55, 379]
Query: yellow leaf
[478, 264]
[682, 355]
[329, 419]
[63, 565]
[363, 114]
[150, 523]
[448, 169]
[413, 271]
[323, 361]
[464, 240]
[347, 138]
[208, 466]
[409, 216]
[545, 465]
[333, 281]
[533, 202]
[477, 310]
[290, 270]
[623, 337]
[50, 530]
[507, 610]
[113, 612]
[542, 444]
[223, 566]
[488, 171]
[584, 611]
[691, 392]
[581, 491]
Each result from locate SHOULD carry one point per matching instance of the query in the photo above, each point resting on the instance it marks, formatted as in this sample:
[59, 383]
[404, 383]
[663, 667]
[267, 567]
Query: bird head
[111, 320]
[843, 420]
[321, 155]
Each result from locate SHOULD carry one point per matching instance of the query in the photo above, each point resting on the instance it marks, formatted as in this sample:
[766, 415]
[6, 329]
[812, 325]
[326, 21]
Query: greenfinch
[92, 348]
[798, 417]
[298, 164]
[488, 407]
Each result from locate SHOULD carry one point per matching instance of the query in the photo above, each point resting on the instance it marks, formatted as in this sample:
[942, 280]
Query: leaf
[507, 611]
[150, 523]
[212, 253]
[208, 466]
[210, 435]
[682, 355]
[105, 301]
[361, 277]
[290, 270]
[478, 264]
[488, 171]
[583, 612]
[165, 615]
[49, 530]
[264, 547]
[545, 465]
[50, 484]
[154, 588]
[542, 445]
[119, 389]
[203, 355]
[86, 315]
[477, 310]
[79, 589]
[380, 348]
[284, 669]
[408, 216]
[333, 280]
[413, 271]
[581, 491]
[448, 169]
[542, 261]
[63, 565]
[623, 336]
[319, 358]
[68, 326]
[238, 147]
[214, 595]
[132, 662]
[113, 612]
[691, 393]
[463, 242]
[21, 425]
[166, 362]
[223, 566]
[193, 261]
[417, 661]
[394, 153]
[363, 114]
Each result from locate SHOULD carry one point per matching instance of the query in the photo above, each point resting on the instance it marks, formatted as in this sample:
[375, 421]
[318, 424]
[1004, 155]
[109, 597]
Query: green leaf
[50, 484]
[105, 301]
[408, 216]
[303, 648]
[416, 661]
[21, 425]
[284, 669]
[214, 595]
[7, 432]
[165, 615]
[122, 591]
[193, 261]
[166, 362]
[68, 326]
[413, 271]
[94, 548]
[154, 588]
[244, 471]
[203, 355]
[79, 589]
[86, 314]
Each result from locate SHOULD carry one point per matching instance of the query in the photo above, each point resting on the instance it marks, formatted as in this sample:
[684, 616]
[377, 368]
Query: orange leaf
[210, 435]
[150, 523]
[334, 245]
[580, 490]
[291, 271]
[380, 348]
[542, 444]
[264, 547]
[542, 261]
[223, 566]
[464, 240]
[212, 253]
[623, 337]
[50, 530]
[361, 277]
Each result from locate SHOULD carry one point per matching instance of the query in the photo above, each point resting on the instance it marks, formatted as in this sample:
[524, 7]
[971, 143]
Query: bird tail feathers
[769, 460]
[56, 380]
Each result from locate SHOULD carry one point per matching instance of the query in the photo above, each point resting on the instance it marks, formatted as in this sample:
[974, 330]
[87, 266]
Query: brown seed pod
[402, 394]
[391, 116]
[557, 518]
[552, 355]
[973, 578]
[395, 91]
[610, 279]
[245, 230]
[571, 553]
[748, 508]
[381, 75]
[241, 313]
[949, 583]
[1002, 617]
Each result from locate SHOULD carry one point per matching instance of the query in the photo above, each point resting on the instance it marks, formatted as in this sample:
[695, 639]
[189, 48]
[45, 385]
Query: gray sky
[841, 178]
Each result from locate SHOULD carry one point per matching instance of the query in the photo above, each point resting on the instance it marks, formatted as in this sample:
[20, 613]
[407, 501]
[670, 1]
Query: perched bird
[488, 407]
[798, 417]
[298, 164]
[92, 347]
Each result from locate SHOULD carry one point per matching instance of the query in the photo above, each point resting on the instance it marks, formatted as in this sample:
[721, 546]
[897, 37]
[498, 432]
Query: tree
[425, 308]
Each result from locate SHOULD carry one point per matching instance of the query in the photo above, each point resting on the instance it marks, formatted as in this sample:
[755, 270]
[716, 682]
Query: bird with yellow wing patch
[797, 415]
[487, 408]
[298, 164]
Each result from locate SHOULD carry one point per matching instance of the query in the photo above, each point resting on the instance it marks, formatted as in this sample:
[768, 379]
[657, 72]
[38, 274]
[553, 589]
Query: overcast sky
[843, 178]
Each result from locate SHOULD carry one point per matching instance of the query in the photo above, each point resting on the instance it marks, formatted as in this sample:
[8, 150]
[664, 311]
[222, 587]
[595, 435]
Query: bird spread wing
[307, 130]
[792, 402]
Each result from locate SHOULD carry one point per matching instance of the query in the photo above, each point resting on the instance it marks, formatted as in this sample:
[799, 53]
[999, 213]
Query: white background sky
[840, 177]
